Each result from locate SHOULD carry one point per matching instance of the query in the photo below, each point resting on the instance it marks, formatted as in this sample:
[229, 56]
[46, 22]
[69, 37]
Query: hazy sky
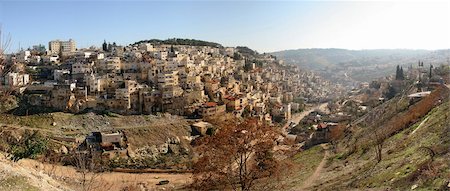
[264, 26]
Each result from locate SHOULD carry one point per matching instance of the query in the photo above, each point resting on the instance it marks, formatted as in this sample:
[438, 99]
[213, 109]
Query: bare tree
[237, 157]
[378, 139]
[5, 42]
[88, 166]
[54, 160]
[377, 135]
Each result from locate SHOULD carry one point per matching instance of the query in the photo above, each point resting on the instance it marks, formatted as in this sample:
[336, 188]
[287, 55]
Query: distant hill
[320, 58]
[180, 41]
[374, 63]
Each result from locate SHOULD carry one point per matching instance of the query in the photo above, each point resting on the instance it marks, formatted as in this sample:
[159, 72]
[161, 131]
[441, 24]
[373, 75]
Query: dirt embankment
[109, 181]
[164, 138]
[414, 158]
[30, 174]
[15, 176]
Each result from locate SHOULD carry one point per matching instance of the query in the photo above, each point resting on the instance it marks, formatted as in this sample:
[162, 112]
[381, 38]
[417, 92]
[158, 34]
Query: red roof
[321, 126]
[229, 97]
[213, 81]
[211, 104]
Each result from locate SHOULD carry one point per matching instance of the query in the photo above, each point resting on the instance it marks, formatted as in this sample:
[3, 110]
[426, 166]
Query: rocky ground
[163, 138]
[14, 176]
[32, 175]
[415, 158]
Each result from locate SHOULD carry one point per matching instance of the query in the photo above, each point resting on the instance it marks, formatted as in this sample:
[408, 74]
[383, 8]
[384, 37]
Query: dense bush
[30, 145]
[245, 50]
[8, 102]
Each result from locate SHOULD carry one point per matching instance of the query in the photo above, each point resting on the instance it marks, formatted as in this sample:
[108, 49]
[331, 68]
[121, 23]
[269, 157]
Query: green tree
[399, 73]
[402, 75]
[237, 56]
[431, 70]
[31, 145]
[391, 92]
[105, 46]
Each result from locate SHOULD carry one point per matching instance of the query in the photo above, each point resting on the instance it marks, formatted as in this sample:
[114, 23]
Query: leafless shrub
[5, 43]
[88, 165]
[237, 157]
[53, 160]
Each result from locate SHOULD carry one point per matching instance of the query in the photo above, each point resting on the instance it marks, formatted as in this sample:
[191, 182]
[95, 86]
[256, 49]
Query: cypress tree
[401, 75]
[431, 68]
[105, 46]
[109, 47]
[397, 73]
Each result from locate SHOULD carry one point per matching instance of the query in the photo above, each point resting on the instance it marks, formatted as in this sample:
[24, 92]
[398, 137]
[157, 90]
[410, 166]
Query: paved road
[296, 118]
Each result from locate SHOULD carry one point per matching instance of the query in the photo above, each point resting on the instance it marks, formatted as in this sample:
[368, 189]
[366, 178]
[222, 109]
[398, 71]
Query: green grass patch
[307, 161]
[379, 179]
[429, 114]
[16, 183]
[34, 121]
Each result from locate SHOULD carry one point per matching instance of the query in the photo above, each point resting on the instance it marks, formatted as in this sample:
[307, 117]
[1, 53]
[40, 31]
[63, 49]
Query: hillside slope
[14, 176]
[413, 157]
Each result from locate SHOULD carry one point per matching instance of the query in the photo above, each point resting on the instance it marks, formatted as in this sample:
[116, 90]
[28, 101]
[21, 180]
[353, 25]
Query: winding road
[296, 118]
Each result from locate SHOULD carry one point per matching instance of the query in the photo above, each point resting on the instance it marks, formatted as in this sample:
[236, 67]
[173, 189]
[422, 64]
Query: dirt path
[309, 182]
[420, 125]
[109, 181]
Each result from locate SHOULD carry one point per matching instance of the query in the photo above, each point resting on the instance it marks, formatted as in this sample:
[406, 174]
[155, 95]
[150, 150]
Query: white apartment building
[58, 74]
[57, 46]
[13, 79]
[81, 68]
[168, 79]
[24, 56]
[96, 83]
[113, 64]
[146, 47]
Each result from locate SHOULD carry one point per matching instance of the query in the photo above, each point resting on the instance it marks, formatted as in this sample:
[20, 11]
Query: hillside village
[143, 107]
[162, 76]
[224, 95]
[413, 84]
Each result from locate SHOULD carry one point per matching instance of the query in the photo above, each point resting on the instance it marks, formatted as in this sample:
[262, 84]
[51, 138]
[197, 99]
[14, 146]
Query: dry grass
[305, 164]
[404, 163]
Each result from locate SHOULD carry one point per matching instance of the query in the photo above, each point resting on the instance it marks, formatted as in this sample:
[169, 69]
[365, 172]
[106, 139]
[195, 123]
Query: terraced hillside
[414, 145]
